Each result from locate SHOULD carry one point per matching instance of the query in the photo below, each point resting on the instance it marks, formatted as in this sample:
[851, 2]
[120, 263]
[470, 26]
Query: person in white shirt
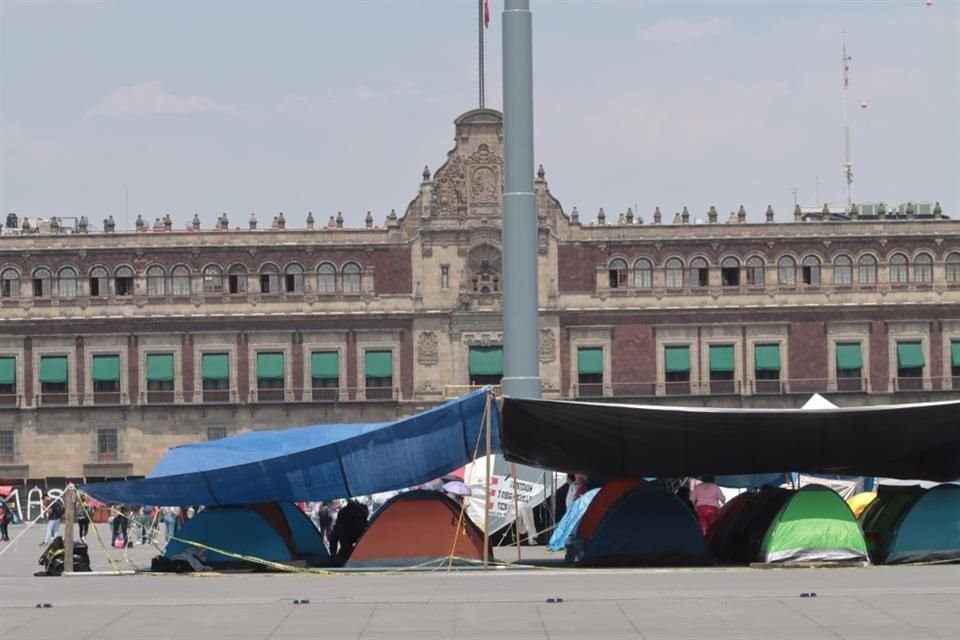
[707, 498]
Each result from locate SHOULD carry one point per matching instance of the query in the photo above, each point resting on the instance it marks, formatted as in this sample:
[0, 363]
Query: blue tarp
[571, 520]
[319, 462]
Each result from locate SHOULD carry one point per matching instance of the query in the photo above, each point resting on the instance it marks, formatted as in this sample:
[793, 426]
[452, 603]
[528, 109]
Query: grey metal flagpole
[480, 27]
[521, 314]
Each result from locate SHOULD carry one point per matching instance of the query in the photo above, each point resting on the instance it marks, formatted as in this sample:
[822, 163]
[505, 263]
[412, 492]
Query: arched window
[787, 271]
[351, 278]
[899, 271]
[953, 267]
[41, 283]
[156, 281]
[269, 279]
[842, 270]
[923, 268]
[99, 282]
[326, 278]
[293, 279]
[730, 272]
[123, 281]
[756, 272]
[212, 279]
[674, 273]
[811, 270]
[867, 269]
[699, 273]
[67, 283]
[618, 273]
[180, 281]
[643, 273]
[10, 283]
[237, 278]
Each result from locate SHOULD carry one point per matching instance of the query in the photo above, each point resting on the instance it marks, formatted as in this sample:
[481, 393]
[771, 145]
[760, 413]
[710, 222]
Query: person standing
[6, 517]
[169, 515]
[83, 518]
[707, 498]
[560, 498]
[54, 510]
[121, 523]
[577, 489]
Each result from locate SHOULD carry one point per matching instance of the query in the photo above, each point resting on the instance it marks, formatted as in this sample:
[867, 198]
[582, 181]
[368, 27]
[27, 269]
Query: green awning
[106, 368]
[955, 353]
[378, 364]
[160, 367]
[677, 359]
[767, 357]
[486, 361]
[269, 366]
[849, 357]
[53, 369]
[215, 366]
[590, 360]
[325, 365]
[721, 357]
[910, 355]
[8, 370]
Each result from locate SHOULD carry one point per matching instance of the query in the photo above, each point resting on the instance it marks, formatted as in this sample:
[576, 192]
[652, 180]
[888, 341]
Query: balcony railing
[10, 400]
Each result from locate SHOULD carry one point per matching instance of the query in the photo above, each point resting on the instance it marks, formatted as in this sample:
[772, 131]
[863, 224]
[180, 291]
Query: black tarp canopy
[917, 441]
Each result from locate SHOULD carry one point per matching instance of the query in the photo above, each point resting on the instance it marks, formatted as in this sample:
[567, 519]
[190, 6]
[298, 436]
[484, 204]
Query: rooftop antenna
[847, 162]
[126, 209]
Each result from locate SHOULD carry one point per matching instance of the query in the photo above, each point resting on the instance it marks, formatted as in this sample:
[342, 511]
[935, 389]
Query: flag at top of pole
[486, 13]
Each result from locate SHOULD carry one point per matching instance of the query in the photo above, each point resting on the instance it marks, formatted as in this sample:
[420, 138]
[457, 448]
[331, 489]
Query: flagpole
[480, 27]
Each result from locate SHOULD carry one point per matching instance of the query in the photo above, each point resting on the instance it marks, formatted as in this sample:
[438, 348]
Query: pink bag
[118, 543]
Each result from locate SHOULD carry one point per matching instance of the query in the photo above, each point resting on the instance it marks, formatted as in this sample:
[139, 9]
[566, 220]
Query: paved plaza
[876, 603]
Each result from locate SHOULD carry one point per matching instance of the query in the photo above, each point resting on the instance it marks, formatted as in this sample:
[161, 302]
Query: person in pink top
[707, 499]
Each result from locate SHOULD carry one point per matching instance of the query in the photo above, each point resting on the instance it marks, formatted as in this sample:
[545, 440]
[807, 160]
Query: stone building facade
[116, 346]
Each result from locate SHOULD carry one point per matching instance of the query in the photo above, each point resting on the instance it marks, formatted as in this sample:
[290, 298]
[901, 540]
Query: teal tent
[926, 529]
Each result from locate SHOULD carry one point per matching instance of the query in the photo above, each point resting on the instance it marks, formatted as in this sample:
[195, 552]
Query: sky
[205, 107]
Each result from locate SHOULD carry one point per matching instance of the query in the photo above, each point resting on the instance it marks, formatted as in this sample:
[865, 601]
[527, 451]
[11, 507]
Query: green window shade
[955, 353]
[910, 355]
[767, 357]
[677, 359]
[486, 361]
[590, 361]
[106, 368]
[849, 357]
[160, 367]
[270, 366]
[8, 370]
[378, 364]
[325, 365]
[721, 357]
[215, 366]
[53, 369]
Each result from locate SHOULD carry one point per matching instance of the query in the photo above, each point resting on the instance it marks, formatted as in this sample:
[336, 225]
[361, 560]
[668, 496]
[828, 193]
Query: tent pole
[486, 496]
[69, 498]
[516, 508]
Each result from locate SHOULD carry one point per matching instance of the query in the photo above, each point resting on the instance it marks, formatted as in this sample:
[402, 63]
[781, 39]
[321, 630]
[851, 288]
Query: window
[108, 444]
[767, 368]
[98, 282]
[590, 371]
[677, 369]
[8, 446]
[106, 379]
[756, 276]
[643, 274]
[325, 374]
[485, 365]
[899, 273]
[53, 378]
[8, 380]
[351, 278]
[326, 278]
[953, 267]
[910, 363]
[699, 273]
[269, 279]
[212, 279]
[730, 272]
[215, 373]
[923, 268]
[378, 370]
[41, 283]
[842, 270]
[674, 273]
[867, 270]
[444, 277]
[849, 366]
[123, 281]
[67, 283]
[787, 271]
[237, 279]
[9, 284]
[216, 431]
[270, 376]
[160, 376]
[722, 367]
[617, 270]
[180, 281]
[811, 271]
[293, 279]
[156, 281]
[955, 362]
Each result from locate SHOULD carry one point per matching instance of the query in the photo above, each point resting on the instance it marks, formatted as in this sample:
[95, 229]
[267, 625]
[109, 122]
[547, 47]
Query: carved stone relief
[427, 348]
[548, 346]
[483, 185]
[448, 191]
[484, 339]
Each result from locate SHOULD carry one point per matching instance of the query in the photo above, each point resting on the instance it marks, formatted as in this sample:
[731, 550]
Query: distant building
[116, 346]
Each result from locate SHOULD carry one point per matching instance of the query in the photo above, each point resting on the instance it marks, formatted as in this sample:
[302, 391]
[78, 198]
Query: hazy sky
[337, 105]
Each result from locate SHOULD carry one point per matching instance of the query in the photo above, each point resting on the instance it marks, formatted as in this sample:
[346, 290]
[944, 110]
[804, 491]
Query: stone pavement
[875, 603]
